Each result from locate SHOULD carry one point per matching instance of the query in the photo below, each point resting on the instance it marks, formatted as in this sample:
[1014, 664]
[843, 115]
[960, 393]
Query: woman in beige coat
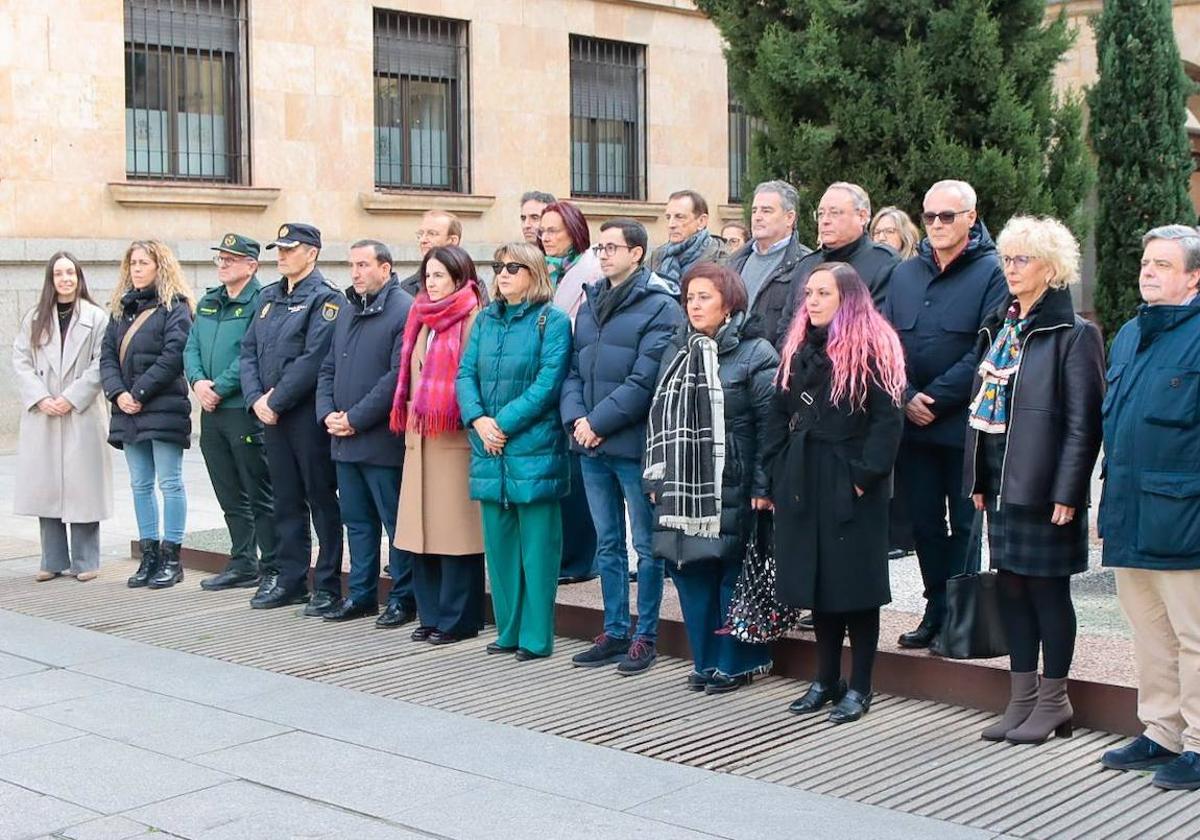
[63, 467]
[437, 523]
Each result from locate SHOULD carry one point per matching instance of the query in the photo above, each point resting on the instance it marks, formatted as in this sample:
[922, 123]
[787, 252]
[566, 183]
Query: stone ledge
[608, 208]
[731, 212]
[149, 194]
[419, 202]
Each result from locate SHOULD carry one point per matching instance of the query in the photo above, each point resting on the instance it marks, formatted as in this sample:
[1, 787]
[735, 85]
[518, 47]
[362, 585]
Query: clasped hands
[338, 424]
[490, 433]
[54, 406]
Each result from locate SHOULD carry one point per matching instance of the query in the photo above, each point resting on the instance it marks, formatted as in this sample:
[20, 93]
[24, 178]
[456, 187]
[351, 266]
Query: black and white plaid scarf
[685, 440]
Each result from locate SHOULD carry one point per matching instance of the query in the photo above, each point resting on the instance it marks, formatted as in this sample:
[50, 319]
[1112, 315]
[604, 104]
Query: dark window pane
[607, 118]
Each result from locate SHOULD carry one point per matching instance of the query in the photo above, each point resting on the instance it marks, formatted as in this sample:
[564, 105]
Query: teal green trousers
[523, 546]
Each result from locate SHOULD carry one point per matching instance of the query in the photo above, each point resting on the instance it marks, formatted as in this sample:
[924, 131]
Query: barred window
[742, 128]
[608, 118]
[185, 90]
[421, 103]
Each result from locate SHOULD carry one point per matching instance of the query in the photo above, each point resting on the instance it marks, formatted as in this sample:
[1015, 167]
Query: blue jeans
[157, 459]
[705, 589]
[611, 485]
[367, 495]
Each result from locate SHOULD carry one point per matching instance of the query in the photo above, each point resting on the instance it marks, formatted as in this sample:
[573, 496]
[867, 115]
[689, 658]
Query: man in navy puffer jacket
[621, 331]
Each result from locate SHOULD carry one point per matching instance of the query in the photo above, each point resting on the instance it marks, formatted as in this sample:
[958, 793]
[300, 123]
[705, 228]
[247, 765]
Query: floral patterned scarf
[989, 409]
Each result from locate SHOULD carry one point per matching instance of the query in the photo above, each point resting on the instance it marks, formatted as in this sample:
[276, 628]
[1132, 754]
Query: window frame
[582, 50]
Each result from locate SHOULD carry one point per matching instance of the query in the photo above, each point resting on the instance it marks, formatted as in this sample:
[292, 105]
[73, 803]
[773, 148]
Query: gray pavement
[103, 738]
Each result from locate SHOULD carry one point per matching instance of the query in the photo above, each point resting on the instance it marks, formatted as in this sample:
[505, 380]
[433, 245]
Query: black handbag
[972, 628]
[755, 613]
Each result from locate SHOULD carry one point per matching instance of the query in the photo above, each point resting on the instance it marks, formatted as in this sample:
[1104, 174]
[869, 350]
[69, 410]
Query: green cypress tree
[1138, 111]
[898, 94]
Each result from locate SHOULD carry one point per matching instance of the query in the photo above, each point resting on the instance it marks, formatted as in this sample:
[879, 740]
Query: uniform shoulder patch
[266, 307]
[329, 311]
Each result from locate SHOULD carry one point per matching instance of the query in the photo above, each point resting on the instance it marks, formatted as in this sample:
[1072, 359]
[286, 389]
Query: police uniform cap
[296, 233]
[235, 243]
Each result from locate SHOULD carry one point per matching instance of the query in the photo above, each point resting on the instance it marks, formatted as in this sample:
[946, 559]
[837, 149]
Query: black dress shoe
[721, 684]
[922, 637]
[696, 681]
[348, 610]
[265, 584]
[851, 707]
[230, 580]
[567, 580]
[422, 634]
[438, 637]
[494, 647]
[523, 655]
[816, 697]
[322, 603]
[279, 597]
[395, 615]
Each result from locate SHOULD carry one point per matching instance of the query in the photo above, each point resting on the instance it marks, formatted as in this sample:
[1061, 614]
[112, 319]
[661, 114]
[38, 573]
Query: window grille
[421, 103]
[742, 128]
[185, 90]
[608, 118]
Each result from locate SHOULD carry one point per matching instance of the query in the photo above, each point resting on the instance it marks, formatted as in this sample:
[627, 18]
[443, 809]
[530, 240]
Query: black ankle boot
[170, 572]
[147, 567]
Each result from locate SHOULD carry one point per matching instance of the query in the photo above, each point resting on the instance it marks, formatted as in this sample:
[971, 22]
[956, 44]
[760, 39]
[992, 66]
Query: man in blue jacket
[281, 356]
[354, 398]
[621, 331]
[937, 302]
[1150, 509]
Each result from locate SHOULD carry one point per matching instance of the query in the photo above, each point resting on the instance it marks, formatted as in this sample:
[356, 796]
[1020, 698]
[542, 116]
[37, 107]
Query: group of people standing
[678, 398]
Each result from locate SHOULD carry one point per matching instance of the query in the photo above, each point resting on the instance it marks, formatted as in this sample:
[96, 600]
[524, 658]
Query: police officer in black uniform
[281, 356]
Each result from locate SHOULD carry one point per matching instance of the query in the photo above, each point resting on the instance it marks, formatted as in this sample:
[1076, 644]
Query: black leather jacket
[1054, 408]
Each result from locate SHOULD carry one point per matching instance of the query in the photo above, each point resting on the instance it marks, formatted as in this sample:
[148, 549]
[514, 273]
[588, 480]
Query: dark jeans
[449, 590]
[368, 495]
[305, 483]
[705, 589]
[579, 547]
[232, 444]
[931, 480]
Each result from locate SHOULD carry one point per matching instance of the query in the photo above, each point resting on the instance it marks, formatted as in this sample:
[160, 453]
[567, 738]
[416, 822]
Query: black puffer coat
[747, 364]
[152, 372]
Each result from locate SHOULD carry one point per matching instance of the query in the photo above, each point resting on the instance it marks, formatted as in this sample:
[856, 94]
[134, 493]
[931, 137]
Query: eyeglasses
[421, 234]
[1020, 262]
[885, 231]
[946, 217]
[832, 215]
[512, 268]
[549, 230]
[221, 259]
[608, 249]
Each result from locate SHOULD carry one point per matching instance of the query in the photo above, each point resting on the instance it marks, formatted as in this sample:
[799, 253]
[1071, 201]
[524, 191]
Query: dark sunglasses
[946, 216]
[511, 267]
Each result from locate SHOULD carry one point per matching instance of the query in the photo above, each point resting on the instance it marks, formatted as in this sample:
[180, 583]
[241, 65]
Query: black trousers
[449, 590]
[305, 485]
[231, 441]
[579, 534]
[941, 516]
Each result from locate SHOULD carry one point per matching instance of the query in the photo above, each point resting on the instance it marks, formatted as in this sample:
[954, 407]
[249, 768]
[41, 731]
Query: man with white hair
[1150, 510]
[937, 301]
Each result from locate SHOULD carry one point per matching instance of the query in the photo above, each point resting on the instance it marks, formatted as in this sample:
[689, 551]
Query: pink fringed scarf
[434, 405]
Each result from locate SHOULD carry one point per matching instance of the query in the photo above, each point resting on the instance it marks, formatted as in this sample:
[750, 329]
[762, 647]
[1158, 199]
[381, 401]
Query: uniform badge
[237, 313]
[265, 309]
[208, 310]
[283, 231]
[329, 311]
[230, 241]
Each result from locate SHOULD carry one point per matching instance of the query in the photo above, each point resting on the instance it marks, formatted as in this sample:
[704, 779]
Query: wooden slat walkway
[908, 755]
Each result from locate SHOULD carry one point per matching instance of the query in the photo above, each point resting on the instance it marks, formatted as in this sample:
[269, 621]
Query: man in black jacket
[937, 301]
[843, 217]
[769, 261]
[354, 399]
[281, 356]
[438, 229]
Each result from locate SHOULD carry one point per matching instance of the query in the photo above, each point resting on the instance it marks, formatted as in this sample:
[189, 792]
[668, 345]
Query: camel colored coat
[436, 514]
[63, 463]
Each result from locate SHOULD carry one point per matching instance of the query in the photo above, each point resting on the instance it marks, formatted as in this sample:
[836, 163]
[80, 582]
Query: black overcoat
[831, 545]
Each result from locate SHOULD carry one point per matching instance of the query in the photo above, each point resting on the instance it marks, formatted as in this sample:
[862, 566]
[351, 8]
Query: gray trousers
[84, 552]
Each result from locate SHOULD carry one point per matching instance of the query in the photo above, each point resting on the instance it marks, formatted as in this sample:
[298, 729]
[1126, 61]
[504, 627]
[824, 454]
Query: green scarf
[559, 266]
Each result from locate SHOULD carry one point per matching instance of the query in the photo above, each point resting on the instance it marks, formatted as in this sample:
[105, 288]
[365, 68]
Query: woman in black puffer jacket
[141, 368]
[705, 565]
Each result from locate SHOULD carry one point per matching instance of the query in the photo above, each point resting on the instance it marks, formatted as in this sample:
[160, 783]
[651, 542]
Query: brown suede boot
[1051, 714]
[1022, 699]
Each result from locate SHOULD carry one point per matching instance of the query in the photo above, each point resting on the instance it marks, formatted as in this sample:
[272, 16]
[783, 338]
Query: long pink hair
[862, 345]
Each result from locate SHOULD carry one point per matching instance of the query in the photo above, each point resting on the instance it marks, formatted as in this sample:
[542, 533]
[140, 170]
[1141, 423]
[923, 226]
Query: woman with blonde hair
[141, 369]
[63, 469]
[1041, 373]
[508, 388]
[894, 228]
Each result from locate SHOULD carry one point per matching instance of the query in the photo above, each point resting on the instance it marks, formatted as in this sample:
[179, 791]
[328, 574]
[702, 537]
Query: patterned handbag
[755, 613]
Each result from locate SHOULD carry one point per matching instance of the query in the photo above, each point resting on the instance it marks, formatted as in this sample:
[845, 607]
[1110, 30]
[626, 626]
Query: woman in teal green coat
[508, 386]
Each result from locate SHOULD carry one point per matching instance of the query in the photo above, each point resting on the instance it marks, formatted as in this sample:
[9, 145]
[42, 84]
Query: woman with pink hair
[832, 442]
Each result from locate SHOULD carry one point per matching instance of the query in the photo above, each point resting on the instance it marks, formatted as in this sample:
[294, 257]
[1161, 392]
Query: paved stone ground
[91, 749]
